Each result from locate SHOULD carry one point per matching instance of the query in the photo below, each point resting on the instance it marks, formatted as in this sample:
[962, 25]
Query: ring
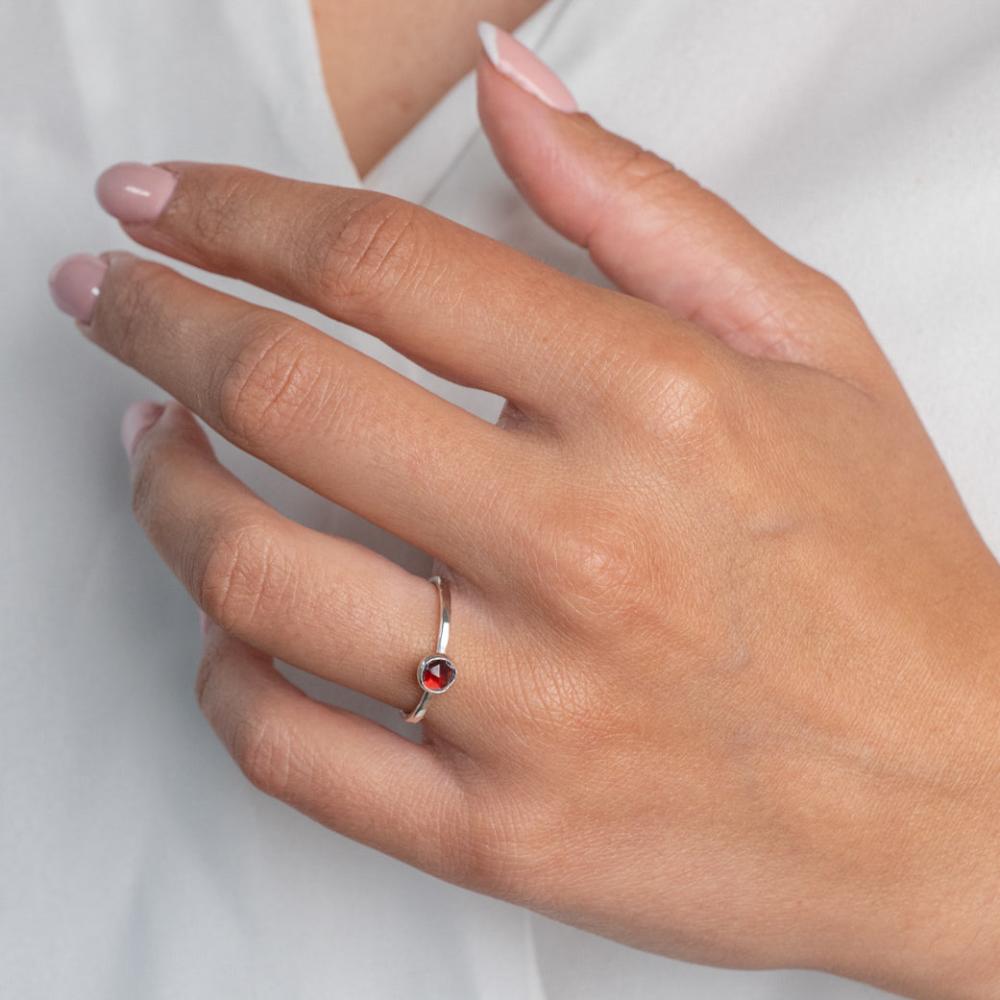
[435, 672]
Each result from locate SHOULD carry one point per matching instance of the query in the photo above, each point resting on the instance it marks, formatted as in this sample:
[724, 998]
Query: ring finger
[322, 603]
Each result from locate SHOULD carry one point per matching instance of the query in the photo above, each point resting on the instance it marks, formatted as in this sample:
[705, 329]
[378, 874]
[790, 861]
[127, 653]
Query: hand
[727, 637]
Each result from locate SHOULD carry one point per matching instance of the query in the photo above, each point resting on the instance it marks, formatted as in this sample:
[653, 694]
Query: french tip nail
[488, 39]
[136, 420]
[75, 283]
[521, 66]
[135, 192]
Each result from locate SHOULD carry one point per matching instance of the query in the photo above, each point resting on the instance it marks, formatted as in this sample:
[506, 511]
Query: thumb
[656, 232]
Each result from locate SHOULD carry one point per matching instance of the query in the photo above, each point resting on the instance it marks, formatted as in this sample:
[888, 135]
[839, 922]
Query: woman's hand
[727, 638]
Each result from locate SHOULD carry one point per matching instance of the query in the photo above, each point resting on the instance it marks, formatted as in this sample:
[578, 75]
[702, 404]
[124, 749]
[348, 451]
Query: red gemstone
[437, 674]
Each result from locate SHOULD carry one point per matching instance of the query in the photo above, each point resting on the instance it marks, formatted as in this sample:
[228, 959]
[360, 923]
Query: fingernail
[75, 283]
[203, 622]
[524, 68]
[136, 420]
[135, 192]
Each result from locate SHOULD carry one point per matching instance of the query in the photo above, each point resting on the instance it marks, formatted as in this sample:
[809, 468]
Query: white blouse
[134, 860]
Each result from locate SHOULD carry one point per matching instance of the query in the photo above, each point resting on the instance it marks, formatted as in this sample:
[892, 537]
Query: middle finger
[331, 417]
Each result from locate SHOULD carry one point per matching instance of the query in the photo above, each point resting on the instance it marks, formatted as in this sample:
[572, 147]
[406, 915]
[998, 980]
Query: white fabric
[134, 861]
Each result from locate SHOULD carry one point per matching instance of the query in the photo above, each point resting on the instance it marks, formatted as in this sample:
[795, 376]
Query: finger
[324, 413]
[458, 303]
[660, 235]
[322, 603]
[349, 773]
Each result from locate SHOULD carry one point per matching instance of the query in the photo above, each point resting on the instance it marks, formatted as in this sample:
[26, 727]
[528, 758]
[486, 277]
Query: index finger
[456, 302]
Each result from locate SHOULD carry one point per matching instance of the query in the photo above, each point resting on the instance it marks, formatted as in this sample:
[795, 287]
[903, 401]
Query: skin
[727, 637]
[399, 57]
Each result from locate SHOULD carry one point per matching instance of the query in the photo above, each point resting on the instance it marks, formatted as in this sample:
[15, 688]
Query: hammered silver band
[435, 672]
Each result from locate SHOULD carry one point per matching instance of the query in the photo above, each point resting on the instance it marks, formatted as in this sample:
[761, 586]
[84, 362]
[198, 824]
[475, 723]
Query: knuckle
[376, 249]
[212, 202]
[245, 577]
[145, 476]
[655, 387]
[642, 176]
[261, 742]
[674, 391]
[683, 401]
[831, 292]
[153, 466]
[639, 169]
[264, 751]
[137, 306]
[277, 383]
[591, 565]
[586, 562]
[807, 292]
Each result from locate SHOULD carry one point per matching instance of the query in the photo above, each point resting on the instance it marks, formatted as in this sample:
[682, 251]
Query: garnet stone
[437, 673]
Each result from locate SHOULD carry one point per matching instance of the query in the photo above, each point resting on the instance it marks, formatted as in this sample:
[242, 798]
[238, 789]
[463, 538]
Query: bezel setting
[449, 668]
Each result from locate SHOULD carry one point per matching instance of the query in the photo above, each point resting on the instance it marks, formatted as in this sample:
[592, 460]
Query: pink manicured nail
[135, 192]
[136, 420]
[521, 65]
[75, 283]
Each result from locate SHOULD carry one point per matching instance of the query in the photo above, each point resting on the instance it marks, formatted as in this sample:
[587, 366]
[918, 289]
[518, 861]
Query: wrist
[921, 916]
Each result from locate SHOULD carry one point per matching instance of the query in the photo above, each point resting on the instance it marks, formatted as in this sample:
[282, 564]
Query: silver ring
[435, 672]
